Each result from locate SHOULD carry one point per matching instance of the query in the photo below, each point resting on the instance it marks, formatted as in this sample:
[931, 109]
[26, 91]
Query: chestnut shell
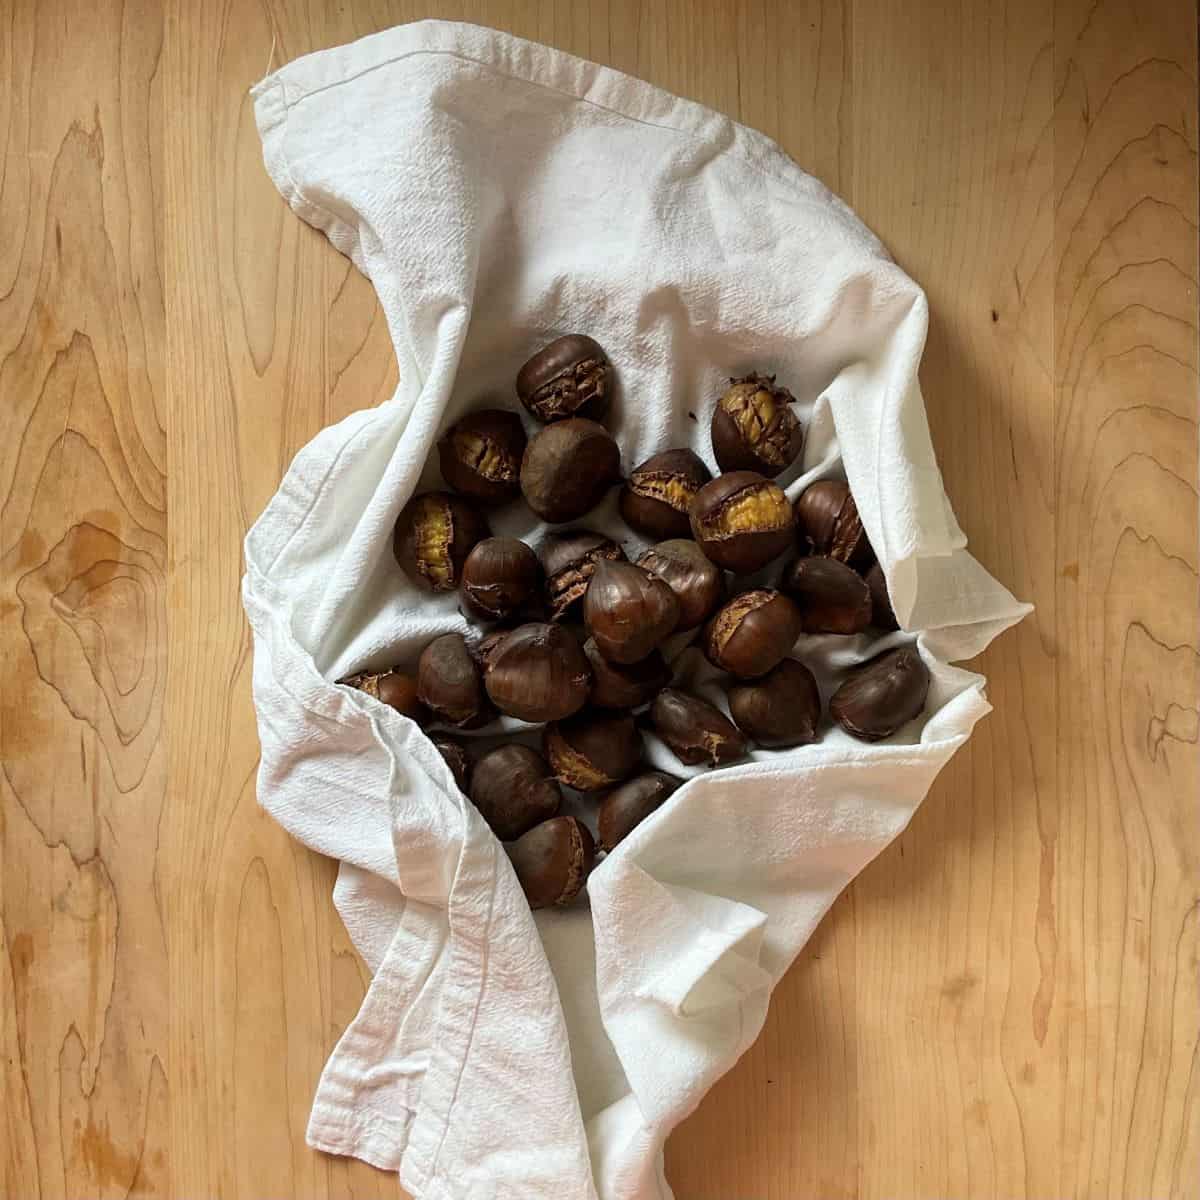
[570, 377]
[698, 583]
[628, 612]
[513, 790]
[783, 708]
[742, 521]
[752, 632]
[433, 536]
[449, 683]
[537, 673]
[456, 758]
[501, 578]
[592, 750]
[569, 558]
[881, 696]
[553, 860]
[658, 494]
[627, 806]
[831, 597]
[828, 523]
[754, 428]
[567, 468]
[396, 689]
[882, 614]
[696, 731]
[630, 686]
[480, 455]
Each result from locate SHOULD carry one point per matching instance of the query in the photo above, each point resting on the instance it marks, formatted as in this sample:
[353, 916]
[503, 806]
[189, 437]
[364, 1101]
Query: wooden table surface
[1005, 1004]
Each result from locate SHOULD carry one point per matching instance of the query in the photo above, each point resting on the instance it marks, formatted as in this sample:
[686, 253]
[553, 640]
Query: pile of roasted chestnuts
[571, 636]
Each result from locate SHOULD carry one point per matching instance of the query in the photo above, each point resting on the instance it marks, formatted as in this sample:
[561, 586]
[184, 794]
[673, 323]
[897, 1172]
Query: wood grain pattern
[1005, 1004]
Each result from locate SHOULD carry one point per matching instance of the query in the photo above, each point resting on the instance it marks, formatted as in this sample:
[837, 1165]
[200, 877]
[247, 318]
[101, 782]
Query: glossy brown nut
[501, 577]
[553, 860]
[538, 673]
[752, 633]
[396, 689]
[828, 522]
[450, 685]
[742, 521]
[481, 455]
[569, 558]
[627, 611]
[783, 708]
[592, 751]
[882, 615]
[754, 429]
[571, 377]
[698, 583]
[831, 597]
[656, 499]
[433, 536]
[567, 468]
[880, 697]
[456, 757]
[696, 731]
[513, 789]
[631, 686]
[627, 806]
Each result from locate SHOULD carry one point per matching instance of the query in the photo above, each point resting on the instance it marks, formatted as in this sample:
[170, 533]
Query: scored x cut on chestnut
[433, 536]
[658, 495]
[480, 455]
[754, 427]
[742, 521]
[571, 377]
[569, 558]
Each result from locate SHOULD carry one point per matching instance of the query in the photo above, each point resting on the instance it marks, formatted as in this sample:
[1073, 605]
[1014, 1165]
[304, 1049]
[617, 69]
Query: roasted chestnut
[630, 686]
[880, 697]
[831, 597]
[433, 536]
[553, 860]
[396, 689]
[696, 731]
[513, 789]
[656, 499]
[698, 583]
[567, 468]
[627, 611]
[449, 683]
[481, 455]
[569, 558]
[571, 377]
[882, 614]
[457, 759]
[592, 750]
[828, 521]
[754, 427]
[742, 521]
[627, 806]
[538, 673]
[500, 578]
[782, 708]
[752, 632]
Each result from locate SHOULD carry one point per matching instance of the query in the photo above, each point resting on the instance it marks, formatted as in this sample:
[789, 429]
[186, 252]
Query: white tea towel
[499, 193]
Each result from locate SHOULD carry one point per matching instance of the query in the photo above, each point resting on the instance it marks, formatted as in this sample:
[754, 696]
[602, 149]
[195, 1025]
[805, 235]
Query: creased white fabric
[498, 193]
